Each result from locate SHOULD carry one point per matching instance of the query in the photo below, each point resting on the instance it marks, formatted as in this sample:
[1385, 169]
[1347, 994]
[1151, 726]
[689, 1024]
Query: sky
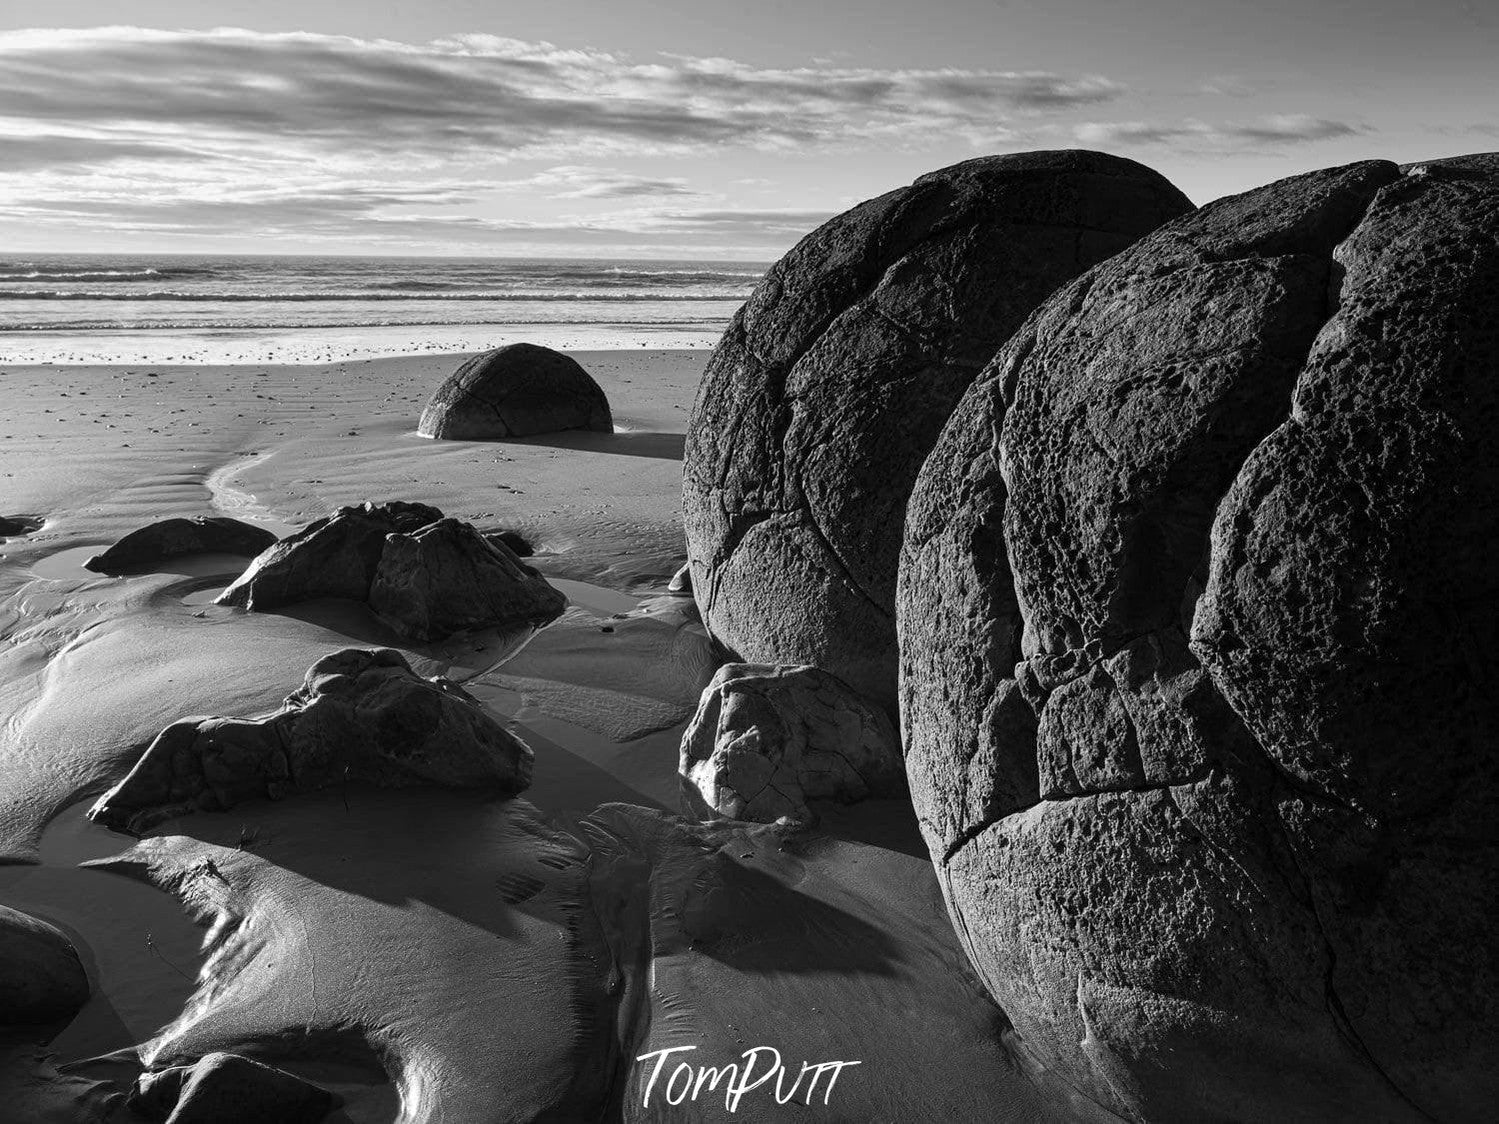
[713, 129]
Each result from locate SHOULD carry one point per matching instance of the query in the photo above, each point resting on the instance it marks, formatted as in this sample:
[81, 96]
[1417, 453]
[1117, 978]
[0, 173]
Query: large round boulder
[516, 391]
[42, 981]
[1197, 619]
[832, 382]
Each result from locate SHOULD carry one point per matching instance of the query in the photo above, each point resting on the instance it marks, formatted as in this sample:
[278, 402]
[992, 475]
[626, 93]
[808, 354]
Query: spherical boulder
[1197, 623]
[516, 391]
[42, 981]
[834, 379]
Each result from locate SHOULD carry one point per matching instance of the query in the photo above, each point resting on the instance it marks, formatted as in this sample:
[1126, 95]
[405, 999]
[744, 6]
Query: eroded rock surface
[171, 538]
[1197, 628]
[516, 391]
[359, 716]
[42, 981]
[426, 576]
[833, 381]
[765, 740]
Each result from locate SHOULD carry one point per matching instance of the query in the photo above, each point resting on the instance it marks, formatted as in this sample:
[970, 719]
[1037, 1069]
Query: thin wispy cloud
[1266, 131]
[483, 95]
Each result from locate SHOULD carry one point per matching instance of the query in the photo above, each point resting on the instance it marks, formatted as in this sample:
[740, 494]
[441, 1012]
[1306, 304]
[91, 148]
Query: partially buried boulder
[1198, 616]
[516, 391]
[42, 981]
[14, 526]
[172, 538]
[446, 576]
[830, 387]
[361, 716]
[425, 575]
[225, 1088]
[766, 740]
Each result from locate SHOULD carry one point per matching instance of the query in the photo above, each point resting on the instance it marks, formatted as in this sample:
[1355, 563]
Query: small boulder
[447, 577]
[358, 716]
[519, 545]
[171, 538]
[425, 575]
[681, 581]
[42, 980]
[516, 391]
[767, 739]
[13, 526]
[228, 1089]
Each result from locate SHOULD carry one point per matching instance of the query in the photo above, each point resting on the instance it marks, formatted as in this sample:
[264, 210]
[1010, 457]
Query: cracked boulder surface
[833, 381]
[767, 739]
[519, 390]
[1197, 632]
[172, 538]
[427, 576]
[359, 716]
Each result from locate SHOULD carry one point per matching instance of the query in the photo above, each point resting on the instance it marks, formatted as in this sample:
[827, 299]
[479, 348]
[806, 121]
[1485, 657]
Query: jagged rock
[681, 581]
[447, 577]
[332, 557]
[515, 391]
[1197, 659]
[224, 1088]
[425, 575]
[361, 716]
[765, 740]
[170, 538]
[42, 981]
[832, 382]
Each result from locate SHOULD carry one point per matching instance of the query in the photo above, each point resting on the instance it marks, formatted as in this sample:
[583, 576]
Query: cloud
[1267, 131]
[572, 182]
[60, 151]
[484, 97]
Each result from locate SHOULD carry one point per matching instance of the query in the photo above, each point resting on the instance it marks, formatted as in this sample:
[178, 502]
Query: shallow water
[140, 949]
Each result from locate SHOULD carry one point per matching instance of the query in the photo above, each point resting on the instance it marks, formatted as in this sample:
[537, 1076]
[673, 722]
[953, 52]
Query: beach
[426, 953]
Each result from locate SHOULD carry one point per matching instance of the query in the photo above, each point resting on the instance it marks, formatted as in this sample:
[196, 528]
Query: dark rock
[332, 557]
[765, 740]
[171, 538]
[14, 526]
[516, 391]
[448, 577]
[427, 576]
[519, 545]
[228, 1089]
[1197, 622]
[832, 383]
[42, 981]
[361, 716]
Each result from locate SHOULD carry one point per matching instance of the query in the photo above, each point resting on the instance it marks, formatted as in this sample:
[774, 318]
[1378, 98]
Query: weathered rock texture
[171, 538]
[360, 716]
[1197, 659]
[224, 1088]
[42, 981]
[516, 391]
[425, 575]
[765, 740]
[832, 382]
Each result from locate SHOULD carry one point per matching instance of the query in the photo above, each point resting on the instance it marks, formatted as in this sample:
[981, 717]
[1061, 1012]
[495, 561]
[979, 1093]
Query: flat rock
[425, 575]
[172, 538]
[833, 381]
[447, 577]
[516, 391]
[225, 1088]
[42, 981]
[765, 740]
[1197, 624]
[360, 716]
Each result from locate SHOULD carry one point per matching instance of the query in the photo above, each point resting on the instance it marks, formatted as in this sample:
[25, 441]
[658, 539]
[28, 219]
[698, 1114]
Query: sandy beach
[433, 954]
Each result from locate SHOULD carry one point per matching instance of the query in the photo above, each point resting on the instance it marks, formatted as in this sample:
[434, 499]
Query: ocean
[105, 308]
